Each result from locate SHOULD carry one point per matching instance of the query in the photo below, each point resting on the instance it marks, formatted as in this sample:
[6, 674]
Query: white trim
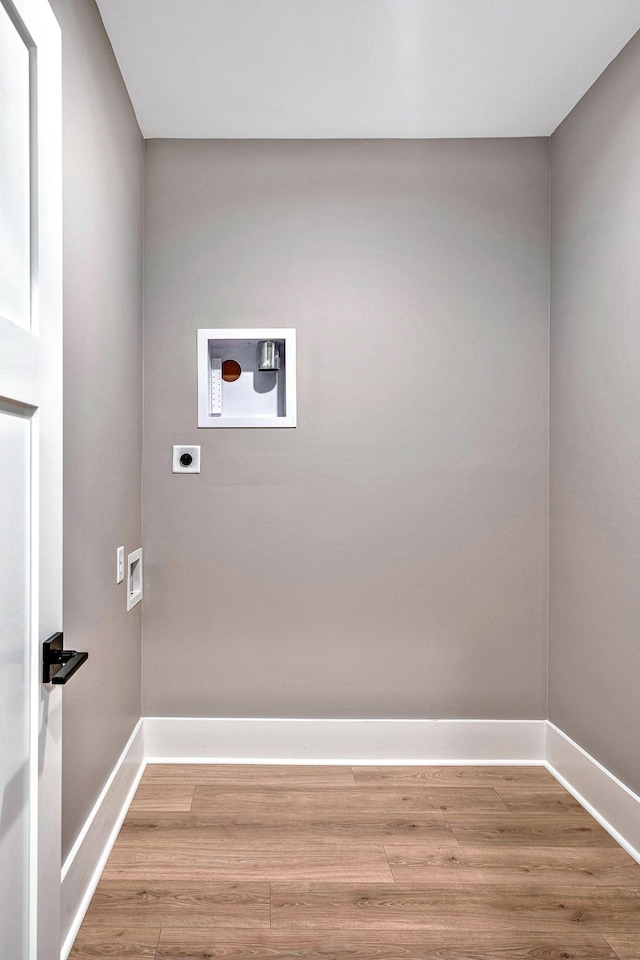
[226, 740]
[86, 860]
[603, 795]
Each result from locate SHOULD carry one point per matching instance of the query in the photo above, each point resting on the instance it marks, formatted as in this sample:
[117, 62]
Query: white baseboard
[222, 740]
[84, 865]
[614, 805]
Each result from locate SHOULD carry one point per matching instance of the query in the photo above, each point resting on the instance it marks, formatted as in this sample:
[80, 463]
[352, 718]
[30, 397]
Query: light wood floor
[365, 863]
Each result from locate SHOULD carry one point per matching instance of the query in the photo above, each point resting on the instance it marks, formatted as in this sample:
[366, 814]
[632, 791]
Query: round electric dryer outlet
[186, 459]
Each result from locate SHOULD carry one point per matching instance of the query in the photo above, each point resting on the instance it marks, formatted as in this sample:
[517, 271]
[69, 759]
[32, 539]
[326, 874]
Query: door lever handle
[58, 664]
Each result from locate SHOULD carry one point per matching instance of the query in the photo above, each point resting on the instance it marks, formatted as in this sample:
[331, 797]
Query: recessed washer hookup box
[247, 377]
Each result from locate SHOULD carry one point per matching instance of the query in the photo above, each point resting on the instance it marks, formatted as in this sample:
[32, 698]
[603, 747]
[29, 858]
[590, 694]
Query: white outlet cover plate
[194, 466]
[120, 565]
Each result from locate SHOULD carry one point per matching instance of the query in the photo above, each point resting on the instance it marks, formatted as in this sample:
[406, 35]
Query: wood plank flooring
[248, 862]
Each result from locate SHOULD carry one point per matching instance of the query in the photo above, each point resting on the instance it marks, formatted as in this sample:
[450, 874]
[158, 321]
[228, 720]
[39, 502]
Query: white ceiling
[362, 68]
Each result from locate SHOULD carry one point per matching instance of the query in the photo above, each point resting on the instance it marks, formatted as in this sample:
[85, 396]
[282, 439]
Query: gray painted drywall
[387, 558]
[594, 663]
[103, 169]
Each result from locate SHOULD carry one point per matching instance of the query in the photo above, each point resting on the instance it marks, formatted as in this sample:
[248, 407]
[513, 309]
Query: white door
[30, 477]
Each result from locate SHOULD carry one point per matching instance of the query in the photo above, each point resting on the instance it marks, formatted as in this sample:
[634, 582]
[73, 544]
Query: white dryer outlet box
[135, 587]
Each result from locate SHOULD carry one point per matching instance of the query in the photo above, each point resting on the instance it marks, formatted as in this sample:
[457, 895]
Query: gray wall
[387, 558]
[595, 421]
[103, 168]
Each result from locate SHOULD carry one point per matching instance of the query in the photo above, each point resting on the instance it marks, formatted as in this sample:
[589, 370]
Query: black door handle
[58, 664]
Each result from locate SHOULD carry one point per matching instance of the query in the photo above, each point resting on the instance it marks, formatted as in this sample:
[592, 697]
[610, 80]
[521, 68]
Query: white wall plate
[119, 564]
[181, 462]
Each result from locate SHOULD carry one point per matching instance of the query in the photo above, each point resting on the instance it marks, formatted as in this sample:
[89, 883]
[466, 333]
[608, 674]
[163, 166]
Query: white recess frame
[135, 586]
[285, 334]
